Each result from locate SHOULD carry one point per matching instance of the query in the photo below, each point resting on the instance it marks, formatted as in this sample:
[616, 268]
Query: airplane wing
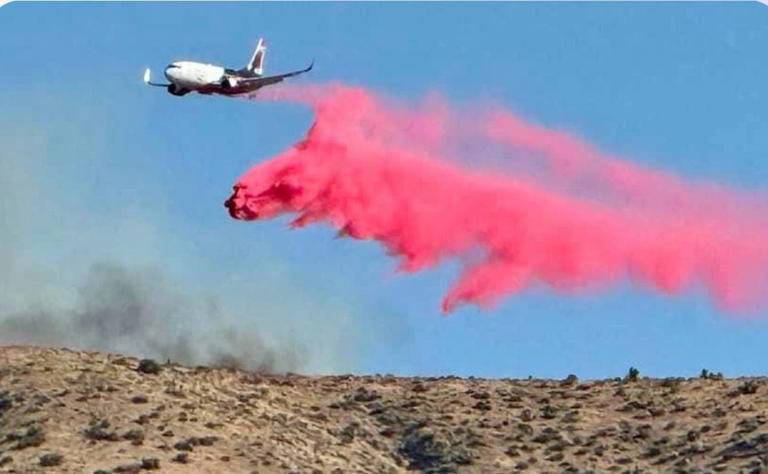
[253, 83]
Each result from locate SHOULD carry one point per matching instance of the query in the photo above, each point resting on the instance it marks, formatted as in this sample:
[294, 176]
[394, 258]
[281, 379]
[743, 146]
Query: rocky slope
[64, 411]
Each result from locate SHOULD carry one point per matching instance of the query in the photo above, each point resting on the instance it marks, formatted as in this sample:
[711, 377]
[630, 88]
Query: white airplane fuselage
[191, 75]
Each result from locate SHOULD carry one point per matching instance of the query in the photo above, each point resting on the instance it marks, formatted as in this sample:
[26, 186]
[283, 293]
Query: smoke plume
[552, 210]
[135, 310]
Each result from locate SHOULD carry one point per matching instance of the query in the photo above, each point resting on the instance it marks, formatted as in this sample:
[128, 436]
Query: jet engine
[229, 82]
[175, 90]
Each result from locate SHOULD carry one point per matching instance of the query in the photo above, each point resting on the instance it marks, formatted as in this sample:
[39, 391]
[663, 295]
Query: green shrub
[33, 437]
[747, 388]
[633, 375]
[572, 379]
[148, 366]
[706, 374]
[50, 459]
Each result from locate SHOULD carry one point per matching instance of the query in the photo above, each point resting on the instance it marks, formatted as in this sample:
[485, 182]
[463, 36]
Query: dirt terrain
[64, 411]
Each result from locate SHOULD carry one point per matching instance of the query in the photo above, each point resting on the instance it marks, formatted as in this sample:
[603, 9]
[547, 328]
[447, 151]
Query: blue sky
[100, 168]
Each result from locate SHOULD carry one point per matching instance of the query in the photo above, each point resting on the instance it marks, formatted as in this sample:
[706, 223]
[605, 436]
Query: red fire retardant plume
[377, 170]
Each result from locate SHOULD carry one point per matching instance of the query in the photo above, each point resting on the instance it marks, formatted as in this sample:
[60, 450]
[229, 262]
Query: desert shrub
[50, 459]
[136, 436]
[633, 375]
[97, 431]
[34, 436]
[185, 445]
[548, 412]
[150, 463]
[5, 401]
[572, 379]
[128, 468]
[706, 374]
[139, 398]
[207, 440]
[425, 452]
[672, 383]
[747, 388]
[148, 366]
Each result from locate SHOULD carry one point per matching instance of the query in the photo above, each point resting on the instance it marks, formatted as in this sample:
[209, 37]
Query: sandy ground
[64, 411]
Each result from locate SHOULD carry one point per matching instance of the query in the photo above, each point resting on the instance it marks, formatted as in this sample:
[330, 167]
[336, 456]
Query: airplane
[188, 76]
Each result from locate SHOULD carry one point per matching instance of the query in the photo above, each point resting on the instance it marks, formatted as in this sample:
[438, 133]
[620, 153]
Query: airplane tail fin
[256, 65]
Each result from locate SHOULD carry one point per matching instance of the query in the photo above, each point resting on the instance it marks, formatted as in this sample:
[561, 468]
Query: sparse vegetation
[149, 366]
[232, 422]
[706, 374]
[672, 383]
[135, 436]
[548, 412]
[207, 440]
[632, 375]
[428, 454]
[128, 468]
[185, 445]
[97, 431]
[5, 402]
[51, 459]
[747, 388]
[572, 379]
[527, 415]
[150, 463]
[139, 399]
[32, 437]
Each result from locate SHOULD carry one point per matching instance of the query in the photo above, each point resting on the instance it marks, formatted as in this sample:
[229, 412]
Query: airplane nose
[170, 73]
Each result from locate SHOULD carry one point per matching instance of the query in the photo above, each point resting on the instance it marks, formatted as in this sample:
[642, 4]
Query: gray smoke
[138, 312]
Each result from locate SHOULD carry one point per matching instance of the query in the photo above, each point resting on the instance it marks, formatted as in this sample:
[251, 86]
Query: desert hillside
[63, 411]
